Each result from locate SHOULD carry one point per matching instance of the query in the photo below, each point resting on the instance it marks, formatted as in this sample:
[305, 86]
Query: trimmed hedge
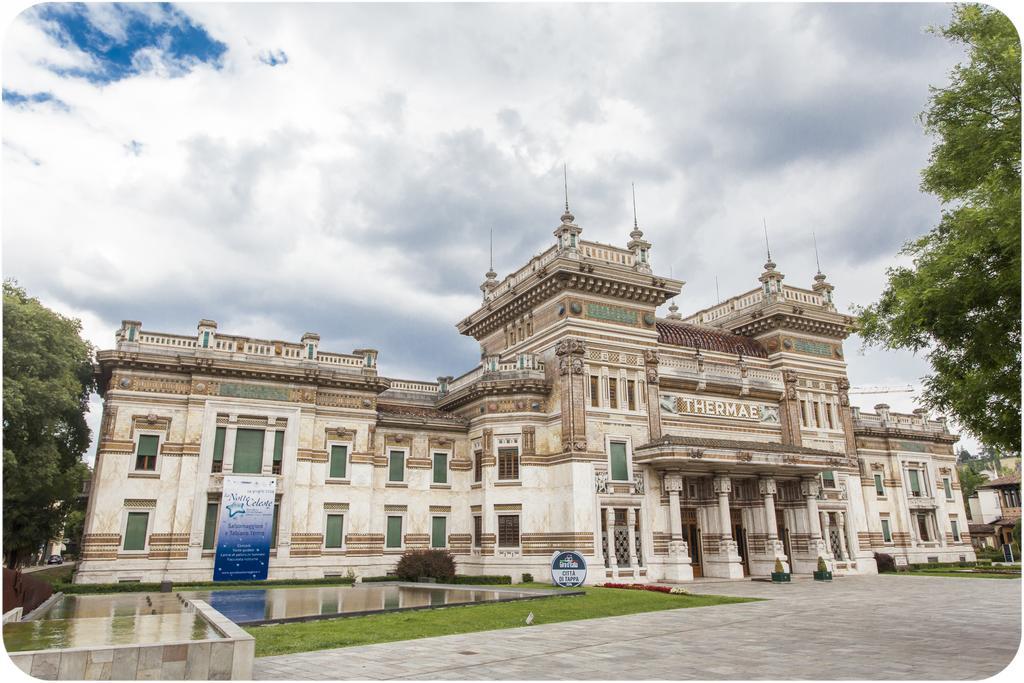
[460, 579]
[86, 588]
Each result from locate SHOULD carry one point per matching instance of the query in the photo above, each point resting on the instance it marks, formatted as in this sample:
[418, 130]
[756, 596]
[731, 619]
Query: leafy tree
[47, 380]
[963, 456]
[970, 480]
[960, 298]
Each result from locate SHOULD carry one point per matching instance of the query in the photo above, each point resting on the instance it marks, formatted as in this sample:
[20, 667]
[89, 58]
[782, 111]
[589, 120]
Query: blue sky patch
[273, 57]
[117, 37]
[16, 99]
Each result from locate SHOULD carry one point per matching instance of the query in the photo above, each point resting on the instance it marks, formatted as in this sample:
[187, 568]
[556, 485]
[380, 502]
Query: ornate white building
[662, 449]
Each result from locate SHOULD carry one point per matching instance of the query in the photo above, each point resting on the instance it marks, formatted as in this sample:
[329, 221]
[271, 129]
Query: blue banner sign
[246, 528]
[568, 569]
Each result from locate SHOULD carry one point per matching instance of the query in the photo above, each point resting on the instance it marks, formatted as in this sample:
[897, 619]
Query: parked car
[55, 559]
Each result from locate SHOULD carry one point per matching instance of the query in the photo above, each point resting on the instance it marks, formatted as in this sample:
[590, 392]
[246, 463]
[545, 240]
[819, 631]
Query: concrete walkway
[879, 627]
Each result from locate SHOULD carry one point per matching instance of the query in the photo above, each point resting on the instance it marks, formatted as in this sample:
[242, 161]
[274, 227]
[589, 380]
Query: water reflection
[141, 629]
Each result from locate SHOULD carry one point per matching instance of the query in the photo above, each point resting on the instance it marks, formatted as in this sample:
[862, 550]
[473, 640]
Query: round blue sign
[568, 569]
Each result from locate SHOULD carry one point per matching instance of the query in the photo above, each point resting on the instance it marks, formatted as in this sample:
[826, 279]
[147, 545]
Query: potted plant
[779, 574]
[822, 574]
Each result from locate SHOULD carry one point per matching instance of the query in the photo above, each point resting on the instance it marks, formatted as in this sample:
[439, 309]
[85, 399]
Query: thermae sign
[681, 404]
[246, 529]
[568, 569]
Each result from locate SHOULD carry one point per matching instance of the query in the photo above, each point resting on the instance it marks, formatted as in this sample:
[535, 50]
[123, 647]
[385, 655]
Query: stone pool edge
[227, 658]
[531, 594]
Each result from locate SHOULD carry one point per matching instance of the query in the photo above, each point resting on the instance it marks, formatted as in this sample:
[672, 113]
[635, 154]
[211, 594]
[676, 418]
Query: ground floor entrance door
[739, 534]
[691, 534]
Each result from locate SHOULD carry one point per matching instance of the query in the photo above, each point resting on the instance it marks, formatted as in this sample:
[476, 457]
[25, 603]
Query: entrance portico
[732, 488]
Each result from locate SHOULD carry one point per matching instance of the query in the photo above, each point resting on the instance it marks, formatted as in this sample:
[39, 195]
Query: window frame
[518, 462]
[478, 466]
[447, 454]
[626, 442]
[327, 520]
[347, 445]
[128, 512]
[519, 530]
[263, 449]
[404, 450]
[217, 466]
[595, 390]
[835, 482]
[216, 524]
[947, 488]
[886, 525]
[879, 485]
[159, 435]
[401, 531]
[478, 530]
[954, 526]
[444, 539]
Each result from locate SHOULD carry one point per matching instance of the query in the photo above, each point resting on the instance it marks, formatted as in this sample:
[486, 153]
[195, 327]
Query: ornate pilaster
[789, 410]
[609, 522]
[653, 397]
[846, 416]
[570, 353]
[677, 567]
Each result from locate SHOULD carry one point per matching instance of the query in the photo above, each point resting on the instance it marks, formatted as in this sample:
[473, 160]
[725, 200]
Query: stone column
[677, 568]
[842, 535]
[766, 486]
[727, 563]
[774, 548]
[609, 521]
[826, 536]
[653, 397]
[806, 563]
[631, 526]
[570, 354]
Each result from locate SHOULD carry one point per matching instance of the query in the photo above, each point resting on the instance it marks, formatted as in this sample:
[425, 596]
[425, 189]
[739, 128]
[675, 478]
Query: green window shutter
[339, 462]
[440, 468]
[278, 446]
[394, 537]
[148, 444]
[334, 526]
[210, 528]
[437, 532]
[248, 451]
[886, 532]
[915, 482]
[619, 467]
[948, 489]
[396, 471]
[879, 488]
[218, 444]
[135, 531]
[273, 525]
[828, 479]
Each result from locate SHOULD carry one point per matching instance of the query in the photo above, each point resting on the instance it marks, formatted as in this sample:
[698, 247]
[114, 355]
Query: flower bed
[675, 590]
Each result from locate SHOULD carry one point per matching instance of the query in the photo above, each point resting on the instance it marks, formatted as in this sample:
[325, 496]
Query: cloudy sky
[338, 168]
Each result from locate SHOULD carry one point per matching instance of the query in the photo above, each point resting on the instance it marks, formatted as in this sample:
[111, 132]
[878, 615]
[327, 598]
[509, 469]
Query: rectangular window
[394, 536]
[478, 466]
[816, 412]
[218, 449]
[948, 488]
[879, 486]
[631, 394]
[617, 464]
[478, 530]
[955, 526]
[440, 468]
[274, 524]
[803, 413]
[248, 451]
[339, 462]
[335, 524]
[828, 479]
[922, 527]
[508, 463]
[886, 531]
[438, 532]
[278, 452]
[613, 393]
[915, 482]
[508, 531]
[145, 456]
[595, 392]
[210, 527]
[135, 531]
[828, 414]
[396, 466]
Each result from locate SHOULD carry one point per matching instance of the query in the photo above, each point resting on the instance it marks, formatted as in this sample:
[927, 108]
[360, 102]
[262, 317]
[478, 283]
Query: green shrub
[481, 580]
[822, 567]
[779, 569]
[886, 563]
[527, 577]
[435, 563]
[377, 579]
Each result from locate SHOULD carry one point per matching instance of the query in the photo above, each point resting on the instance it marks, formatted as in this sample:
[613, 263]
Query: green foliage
[822, 567]
[527, 577]
[89, 588]
[886, 563]
[47, 380]
[960, 298]
[435, 563]
[970, 479]
[779, 569]
[485, 580]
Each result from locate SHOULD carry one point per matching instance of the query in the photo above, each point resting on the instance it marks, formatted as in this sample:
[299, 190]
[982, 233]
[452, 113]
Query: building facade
[662, 449]
[995, 511]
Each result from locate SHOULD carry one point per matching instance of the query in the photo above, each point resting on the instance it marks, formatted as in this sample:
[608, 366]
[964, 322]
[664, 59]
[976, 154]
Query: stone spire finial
[568, 233]
[673, 311]
[567, 217]
[637, 244]
[821, 284]
[491, 280]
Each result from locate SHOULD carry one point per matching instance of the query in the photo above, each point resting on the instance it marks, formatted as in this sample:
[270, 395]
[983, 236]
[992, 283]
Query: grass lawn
[961, 574]
[382, 628]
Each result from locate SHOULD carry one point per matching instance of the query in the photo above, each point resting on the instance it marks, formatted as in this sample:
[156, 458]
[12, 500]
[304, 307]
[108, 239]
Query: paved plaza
[877, 627]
